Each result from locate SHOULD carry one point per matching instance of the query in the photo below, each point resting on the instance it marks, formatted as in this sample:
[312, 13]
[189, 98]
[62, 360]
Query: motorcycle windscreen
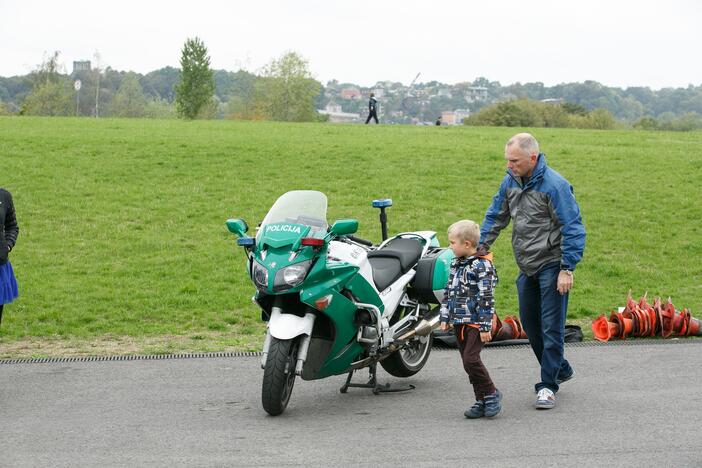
[297, 207]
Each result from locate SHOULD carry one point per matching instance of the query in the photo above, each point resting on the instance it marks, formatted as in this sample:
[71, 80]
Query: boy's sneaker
[493, 404]
[476, 411]
[545, 399]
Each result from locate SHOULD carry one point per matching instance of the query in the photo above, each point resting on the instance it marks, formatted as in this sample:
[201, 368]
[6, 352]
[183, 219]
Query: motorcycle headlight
[260, 276]
[291, 276]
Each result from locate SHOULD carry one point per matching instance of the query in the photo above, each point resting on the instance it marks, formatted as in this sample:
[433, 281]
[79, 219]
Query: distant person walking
[8, 237]
[548, 239]
[372, 108]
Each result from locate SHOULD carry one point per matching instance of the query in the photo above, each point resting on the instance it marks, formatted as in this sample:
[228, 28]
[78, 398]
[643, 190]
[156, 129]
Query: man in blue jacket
[548, 239]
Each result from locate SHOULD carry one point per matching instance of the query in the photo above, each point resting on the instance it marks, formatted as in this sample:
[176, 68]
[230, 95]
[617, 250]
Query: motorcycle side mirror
[344, 226]
[237, 226]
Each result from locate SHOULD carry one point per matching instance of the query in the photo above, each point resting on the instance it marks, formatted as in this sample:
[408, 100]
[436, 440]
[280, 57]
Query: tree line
[285, 90]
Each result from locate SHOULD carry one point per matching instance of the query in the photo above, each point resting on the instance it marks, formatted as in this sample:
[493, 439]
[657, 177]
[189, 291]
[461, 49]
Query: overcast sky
[632, 43]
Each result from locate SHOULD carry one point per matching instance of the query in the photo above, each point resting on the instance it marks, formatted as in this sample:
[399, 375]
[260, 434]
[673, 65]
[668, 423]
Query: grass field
[123, 247]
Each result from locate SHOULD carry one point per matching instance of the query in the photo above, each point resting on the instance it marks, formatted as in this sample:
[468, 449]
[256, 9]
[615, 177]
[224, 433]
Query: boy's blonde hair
[466, 230]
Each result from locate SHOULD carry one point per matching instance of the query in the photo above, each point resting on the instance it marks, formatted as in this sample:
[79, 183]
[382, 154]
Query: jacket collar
[537, 174]
[461, 261]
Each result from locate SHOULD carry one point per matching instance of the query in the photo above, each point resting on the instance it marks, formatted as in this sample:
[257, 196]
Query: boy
[469, 305]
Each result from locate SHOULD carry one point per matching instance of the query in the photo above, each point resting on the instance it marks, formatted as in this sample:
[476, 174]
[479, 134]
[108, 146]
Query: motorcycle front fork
[301, 351]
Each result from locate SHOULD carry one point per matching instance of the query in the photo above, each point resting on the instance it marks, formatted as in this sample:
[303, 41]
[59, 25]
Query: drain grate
[153, 357]
[148, 357]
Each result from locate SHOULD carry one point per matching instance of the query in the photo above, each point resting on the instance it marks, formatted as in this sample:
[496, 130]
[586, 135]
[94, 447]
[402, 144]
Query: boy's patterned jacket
[469, 292]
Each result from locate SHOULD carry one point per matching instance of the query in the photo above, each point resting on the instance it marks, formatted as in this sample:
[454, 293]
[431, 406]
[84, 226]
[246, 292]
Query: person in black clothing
[372, 108]
[8, 237]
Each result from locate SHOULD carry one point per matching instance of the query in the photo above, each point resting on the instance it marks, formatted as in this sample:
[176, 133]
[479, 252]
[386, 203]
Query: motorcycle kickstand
[373, 383]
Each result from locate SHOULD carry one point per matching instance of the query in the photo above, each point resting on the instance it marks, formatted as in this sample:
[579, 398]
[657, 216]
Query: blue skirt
[8, 284]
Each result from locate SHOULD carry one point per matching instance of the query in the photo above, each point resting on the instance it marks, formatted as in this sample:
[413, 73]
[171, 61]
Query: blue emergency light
[382, 203]
[246, 241]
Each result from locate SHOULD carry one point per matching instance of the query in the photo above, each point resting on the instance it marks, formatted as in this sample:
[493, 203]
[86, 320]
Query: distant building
[444, 92]
[459, 115]
[379, 92]
[336, 115]
[350, 93]
[553, 101]
[476, 93]
[448, 118]
[81, 65]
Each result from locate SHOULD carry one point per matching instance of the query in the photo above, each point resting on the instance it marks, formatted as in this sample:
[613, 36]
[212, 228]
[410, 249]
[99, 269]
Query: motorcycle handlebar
[360, 241]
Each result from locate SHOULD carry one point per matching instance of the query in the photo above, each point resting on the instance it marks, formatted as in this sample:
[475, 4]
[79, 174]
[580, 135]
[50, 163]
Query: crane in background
[409, 98]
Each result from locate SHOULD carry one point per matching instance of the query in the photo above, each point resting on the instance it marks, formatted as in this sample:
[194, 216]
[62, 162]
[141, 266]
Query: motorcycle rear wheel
[279, 375]
[408, 361]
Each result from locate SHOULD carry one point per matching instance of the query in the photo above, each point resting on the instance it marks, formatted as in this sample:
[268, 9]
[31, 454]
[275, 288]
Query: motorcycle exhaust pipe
[424, 327]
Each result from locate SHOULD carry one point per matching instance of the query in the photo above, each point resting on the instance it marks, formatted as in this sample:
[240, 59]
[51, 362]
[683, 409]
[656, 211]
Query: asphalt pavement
[628, 405]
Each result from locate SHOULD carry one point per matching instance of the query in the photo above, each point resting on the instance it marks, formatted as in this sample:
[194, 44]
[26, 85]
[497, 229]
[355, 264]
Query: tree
[49, 99]
[160, 84]
[159, 109]
[129, 100]
[287, 90]
[196, 86]
[52, 93]
[601, 119]
[646, 123]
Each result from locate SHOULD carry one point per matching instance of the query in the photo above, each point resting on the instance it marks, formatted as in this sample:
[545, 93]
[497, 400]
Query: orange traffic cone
[658, 311]
[504, 333]
[667, 316]
[680, 322]
[603, 329]
[522, 333]
[514, 324]
[496, 325]
[626, 325]
[695, 328]
[652, 319]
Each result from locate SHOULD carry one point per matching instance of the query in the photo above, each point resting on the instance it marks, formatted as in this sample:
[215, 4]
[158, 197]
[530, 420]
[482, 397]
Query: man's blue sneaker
[493, 404]
[476, 411]
[560, 380]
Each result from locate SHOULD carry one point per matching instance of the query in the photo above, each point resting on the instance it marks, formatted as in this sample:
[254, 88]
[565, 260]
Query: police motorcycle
[335, 303]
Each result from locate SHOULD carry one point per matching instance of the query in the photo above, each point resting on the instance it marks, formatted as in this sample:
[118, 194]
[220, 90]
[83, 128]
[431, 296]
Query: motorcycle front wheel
[408, 361]
[279, 375]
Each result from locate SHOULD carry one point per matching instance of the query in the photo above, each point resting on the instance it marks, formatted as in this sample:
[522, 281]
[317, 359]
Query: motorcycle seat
[393, 260]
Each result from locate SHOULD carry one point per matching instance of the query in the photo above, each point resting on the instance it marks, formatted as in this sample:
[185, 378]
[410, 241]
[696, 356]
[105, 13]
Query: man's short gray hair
[526, 142]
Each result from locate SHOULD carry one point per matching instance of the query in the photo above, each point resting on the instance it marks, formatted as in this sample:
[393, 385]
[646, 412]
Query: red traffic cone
[504, 333]
[603, 329]
[667, 316]
[626, 325]
[695, 328]
[514, 324]
[680, 322]
[496, 325]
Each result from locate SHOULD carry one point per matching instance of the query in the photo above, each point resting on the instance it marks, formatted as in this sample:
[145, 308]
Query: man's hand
[565, 282]
[485, 336]
[444, 326]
